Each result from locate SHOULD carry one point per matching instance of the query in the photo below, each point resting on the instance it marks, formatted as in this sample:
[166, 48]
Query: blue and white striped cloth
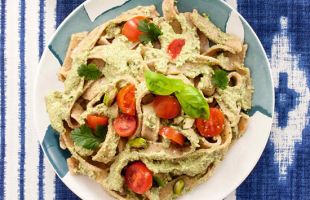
[283, 171]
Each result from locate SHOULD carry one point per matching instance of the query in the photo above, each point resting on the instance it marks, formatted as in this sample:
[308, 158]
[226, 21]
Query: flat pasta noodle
[67, 65]
[122, 62]
[214, 33]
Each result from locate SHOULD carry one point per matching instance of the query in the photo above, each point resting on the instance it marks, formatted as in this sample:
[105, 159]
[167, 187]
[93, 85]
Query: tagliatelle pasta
[151, 107]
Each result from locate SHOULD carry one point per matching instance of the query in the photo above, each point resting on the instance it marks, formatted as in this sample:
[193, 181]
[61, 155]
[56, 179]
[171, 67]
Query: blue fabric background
[263, 16]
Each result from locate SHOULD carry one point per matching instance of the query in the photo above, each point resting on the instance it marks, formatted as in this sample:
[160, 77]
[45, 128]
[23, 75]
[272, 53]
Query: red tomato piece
[95, 120]
[130, 29]
[172, 134]
[138, 177]
[175, 47]
[213, 126]
[125, 125]
[166, 107]
[126, 100]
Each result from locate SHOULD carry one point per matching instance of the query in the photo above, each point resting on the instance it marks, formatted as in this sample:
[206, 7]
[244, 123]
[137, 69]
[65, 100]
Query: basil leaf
[161, 85]
[193, 103]
[84, 137]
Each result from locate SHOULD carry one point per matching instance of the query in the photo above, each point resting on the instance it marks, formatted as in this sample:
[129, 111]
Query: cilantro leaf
[150, 31]
[89, 72]
[101, 131]
[145, 38]
[143, 26]
[219, 79]
[84, 137]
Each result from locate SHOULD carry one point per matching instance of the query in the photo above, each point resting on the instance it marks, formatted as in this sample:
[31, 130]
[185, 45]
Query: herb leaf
[89, 72]
[101, 131]
[219, 79]
[84, 137]
[150, 31]
[143, 26]
[160, 84]
[192, 101]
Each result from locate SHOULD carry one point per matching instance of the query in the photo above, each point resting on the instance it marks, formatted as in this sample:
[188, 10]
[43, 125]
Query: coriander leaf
[89, 72]
[160, 84]
[145, 38]
[84, 137]
[193, 102]
[150, 31]
[156, 32]
[219, 79]
[143, 26]
[101, 131]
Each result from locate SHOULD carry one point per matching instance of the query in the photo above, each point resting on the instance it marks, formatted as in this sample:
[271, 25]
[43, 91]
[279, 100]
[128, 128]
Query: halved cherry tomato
[95, 120]
[172, 134]
[126, 100]
[213, 126]
[175, 47]
[130, 29]
[125, 125]
[138, 177]
[166, 107]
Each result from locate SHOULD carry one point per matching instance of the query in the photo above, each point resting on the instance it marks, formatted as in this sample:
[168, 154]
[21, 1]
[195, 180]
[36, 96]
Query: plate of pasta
[152, 99]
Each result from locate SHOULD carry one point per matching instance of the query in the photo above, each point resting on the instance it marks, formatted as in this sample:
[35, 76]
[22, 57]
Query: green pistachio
[138, 143]
[109, 97]
[178, 187]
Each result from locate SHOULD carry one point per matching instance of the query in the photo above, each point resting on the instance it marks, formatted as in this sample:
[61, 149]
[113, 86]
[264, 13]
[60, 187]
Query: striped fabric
[283, 171]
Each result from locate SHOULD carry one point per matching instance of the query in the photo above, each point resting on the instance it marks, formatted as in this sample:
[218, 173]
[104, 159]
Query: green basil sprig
[191, 100]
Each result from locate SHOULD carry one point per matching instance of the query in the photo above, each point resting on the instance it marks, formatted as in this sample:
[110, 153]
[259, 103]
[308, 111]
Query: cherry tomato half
[166, 107]
[130, 29]
[126, 100]
[175, 47]
[172, 134]
[213, 126]
[138, 177]
[95, 120]
[125, 125]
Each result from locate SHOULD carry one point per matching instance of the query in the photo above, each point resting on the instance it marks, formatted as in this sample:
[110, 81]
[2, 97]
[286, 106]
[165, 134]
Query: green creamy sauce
[189, 50]
[59, 104]
[120, 59]
[150, 120]
[189, 34]
[193, 70]
[160, 58]
[82, 151]
[84, 170]
[193, 164]
[233, 99]
[112, 31]
[54, 104]
[213, 32]
[224, 60]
